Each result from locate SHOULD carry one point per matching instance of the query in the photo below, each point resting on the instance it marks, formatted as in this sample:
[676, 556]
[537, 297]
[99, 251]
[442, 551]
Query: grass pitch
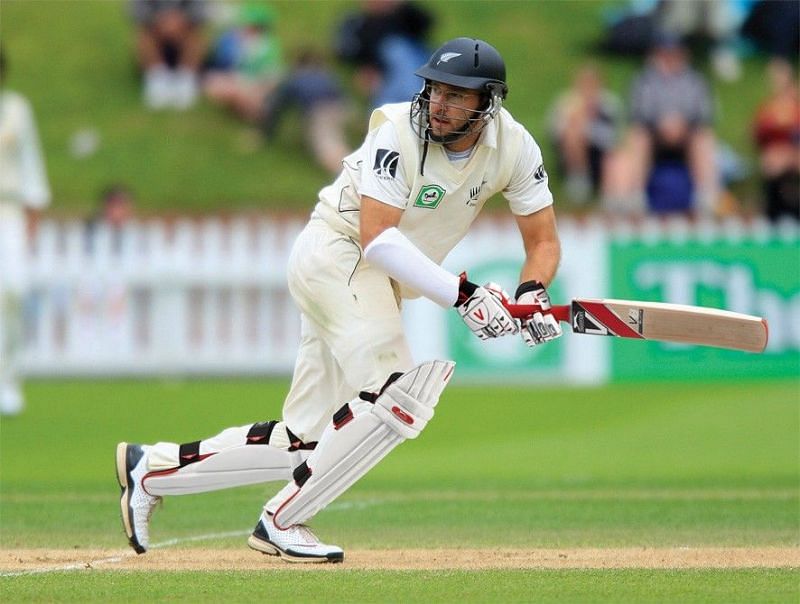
[628, 466]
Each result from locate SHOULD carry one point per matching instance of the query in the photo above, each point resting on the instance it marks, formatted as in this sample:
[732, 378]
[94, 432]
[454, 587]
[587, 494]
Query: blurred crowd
[651, 149]
[232, 56]
[657, 150]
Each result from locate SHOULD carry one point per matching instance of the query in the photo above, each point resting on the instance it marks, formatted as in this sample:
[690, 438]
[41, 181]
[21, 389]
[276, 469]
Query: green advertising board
[749, 276]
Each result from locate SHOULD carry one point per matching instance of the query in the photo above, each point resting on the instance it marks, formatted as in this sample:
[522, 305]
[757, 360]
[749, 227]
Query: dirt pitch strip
[34, 561]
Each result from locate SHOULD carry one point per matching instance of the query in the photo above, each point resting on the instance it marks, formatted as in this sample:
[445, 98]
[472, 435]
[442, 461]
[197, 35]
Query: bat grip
[523, 311]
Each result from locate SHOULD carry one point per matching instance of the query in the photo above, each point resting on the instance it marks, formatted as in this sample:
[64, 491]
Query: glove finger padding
[541, 326]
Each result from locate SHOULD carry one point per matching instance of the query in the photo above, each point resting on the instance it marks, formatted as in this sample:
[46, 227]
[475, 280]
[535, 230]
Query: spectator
[715, 21]
[24, 192]
[171, 46]
[670, 151]
[247, 63]
[776, 130]
[313, 88]
[584, 124]
[774, 27]
[115, 211]
[385, 41]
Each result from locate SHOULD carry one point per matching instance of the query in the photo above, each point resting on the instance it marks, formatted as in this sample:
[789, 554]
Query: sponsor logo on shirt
[540, 174]
[429, 197]
[386, 163]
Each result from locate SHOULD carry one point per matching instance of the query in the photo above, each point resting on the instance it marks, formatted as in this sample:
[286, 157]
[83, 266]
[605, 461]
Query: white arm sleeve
[392, 252]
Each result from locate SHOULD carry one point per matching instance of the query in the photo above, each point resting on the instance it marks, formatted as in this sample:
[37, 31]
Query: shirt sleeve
[382, 174]
[528, 190]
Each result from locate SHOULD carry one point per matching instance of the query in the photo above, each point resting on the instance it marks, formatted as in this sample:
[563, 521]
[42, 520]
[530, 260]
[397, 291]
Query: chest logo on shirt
[386, 163]
[429, 196]
[474, 194]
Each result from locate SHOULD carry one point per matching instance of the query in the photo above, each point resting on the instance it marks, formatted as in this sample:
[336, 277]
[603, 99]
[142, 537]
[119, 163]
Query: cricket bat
[658, 321]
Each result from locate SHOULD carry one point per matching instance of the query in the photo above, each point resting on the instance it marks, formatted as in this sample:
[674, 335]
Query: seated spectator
[246, 64]
[115, 210]
[313, 88]
[670, 139]
[584, 124]
[170, 48]
[776, 129]
[386, 42]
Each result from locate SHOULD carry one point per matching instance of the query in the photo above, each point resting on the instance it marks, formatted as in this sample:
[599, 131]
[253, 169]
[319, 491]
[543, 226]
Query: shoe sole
[270, 549]
[126, 486]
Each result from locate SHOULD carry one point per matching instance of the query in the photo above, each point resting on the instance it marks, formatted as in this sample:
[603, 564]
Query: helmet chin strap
[420, 114]
[449, 138]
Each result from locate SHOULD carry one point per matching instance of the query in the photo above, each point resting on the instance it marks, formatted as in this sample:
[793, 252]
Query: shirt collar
[488, 137]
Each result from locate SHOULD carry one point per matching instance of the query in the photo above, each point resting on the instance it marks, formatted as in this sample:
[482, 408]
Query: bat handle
[523, 311]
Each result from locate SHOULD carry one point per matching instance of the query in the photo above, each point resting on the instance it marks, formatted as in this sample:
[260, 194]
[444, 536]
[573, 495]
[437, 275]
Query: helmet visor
[446, 114]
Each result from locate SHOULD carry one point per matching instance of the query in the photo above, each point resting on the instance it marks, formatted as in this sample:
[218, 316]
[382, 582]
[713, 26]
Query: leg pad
[349, 449]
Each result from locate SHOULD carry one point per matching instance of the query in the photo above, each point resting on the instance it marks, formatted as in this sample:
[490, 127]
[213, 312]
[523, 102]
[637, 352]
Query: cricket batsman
[377, 235]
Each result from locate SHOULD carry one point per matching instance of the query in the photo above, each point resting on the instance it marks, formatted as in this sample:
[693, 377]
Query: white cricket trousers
[351, 340]
[13, 283]
[351, 335]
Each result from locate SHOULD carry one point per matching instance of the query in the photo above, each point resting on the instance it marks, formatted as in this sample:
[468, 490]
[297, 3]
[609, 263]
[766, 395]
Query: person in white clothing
[24, 192]
[403, 200]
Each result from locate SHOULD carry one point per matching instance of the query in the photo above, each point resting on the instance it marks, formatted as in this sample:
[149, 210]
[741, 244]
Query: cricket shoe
[135, 503]
[295, 544]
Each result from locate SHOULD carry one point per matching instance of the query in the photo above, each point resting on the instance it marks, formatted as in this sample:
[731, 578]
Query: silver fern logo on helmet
[447, 56]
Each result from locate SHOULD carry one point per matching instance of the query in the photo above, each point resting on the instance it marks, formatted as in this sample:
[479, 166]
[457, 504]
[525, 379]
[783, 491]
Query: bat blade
[661, 321]
[677, 323]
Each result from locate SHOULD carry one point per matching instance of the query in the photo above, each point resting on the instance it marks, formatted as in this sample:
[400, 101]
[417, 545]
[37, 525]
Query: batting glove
[483, 309]
[542, 326]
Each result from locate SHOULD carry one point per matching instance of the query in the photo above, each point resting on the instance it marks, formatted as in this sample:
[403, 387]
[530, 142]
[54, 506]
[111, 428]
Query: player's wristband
[528, 286]
[465, 289]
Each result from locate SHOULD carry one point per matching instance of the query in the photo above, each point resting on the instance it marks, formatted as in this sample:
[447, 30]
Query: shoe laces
[304, 532]
[143, 499]
[159, 502]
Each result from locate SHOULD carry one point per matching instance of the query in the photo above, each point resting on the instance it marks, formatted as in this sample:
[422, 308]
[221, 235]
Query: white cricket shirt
[440, 205]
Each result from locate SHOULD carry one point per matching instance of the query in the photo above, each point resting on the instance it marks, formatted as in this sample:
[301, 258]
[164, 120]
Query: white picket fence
[209, 296]
[162, 297]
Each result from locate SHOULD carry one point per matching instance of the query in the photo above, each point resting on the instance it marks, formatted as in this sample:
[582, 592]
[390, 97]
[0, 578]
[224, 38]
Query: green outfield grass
[656, 465]
[723, 587]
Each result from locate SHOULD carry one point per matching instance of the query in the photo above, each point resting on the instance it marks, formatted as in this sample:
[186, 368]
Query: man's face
[670, 59]
[451, 108]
